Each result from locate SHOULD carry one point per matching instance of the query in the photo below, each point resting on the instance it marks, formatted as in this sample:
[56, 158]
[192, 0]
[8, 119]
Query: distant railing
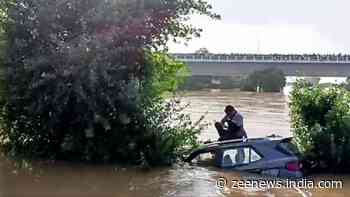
[274, 58]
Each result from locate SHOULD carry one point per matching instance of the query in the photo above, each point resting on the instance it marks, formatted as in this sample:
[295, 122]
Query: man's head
[230, 110]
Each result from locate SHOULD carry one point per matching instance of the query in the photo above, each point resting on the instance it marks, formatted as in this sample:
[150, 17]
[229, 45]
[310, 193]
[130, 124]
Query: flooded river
[264, 114]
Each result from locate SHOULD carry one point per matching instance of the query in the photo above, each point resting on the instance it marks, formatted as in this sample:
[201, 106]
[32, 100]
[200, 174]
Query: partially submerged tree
[77, 71]
[267, 80]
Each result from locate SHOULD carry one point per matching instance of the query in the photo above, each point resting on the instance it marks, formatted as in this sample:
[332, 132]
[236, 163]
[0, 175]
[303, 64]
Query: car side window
[239, 156]
[254, 156]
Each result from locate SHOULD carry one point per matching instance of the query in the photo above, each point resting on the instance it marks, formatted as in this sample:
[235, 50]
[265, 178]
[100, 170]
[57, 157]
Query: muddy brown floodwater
[264, 114]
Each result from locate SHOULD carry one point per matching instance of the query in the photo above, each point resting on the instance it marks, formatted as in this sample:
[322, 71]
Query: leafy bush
[170, 134]
[83, 84]
[321, 123]
[164, 74]
[269, 80]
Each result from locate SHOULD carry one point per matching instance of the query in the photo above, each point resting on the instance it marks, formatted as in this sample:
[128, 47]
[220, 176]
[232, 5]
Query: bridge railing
[339, 59]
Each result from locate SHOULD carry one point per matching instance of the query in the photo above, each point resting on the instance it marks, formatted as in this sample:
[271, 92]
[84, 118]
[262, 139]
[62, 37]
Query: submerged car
[267, 156]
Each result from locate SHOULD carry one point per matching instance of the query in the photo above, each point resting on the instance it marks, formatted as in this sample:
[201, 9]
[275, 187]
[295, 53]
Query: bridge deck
[290, 69]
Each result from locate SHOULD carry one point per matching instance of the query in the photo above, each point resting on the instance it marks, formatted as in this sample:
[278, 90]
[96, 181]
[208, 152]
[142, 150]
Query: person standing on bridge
[231, 126]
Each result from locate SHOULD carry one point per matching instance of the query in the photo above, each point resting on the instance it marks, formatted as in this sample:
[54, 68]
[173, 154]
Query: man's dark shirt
[235, 125]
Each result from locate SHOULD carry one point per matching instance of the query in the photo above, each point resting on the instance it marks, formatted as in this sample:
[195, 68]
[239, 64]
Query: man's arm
[238, 120]
[223, 120]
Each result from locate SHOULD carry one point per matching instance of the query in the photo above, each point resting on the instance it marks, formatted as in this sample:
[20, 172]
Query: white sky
[274, 26]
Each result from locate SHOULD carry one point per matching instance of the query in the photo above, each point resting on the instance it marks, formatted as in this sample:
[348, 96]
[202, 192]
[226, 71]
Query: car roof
[222, 145]
[248, 142]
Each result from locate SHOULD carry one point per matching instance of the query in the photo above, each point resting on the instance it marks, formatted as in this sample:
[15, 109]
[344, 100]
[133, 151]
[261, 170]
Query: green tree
[77, 73]
[164, 75]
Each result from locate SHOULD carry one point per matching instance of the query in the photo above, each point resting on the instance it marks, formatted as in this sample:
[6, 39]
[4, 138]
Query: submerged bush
[81, 79]
[268, 80]
[209, 82]
[321, 123]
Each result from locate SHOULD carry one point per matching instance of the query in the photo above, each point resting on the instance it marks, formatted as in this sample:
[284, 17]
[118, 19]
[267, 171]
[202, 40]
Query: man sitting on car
[234, 128]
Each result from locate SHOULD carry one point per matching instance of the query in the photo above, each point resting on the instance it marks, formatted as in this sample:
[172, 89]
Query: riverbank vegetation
[321, 125]
[268, 80]
[85, 78]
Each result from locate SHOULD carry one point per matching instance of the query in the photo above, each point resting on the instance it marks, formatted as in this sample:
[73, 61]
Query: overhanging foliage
[79, 72]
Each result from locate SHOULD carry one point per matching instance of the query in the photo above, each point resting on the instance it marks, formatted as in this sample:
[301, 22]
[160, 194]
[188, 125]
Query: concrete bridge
[243, 64]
